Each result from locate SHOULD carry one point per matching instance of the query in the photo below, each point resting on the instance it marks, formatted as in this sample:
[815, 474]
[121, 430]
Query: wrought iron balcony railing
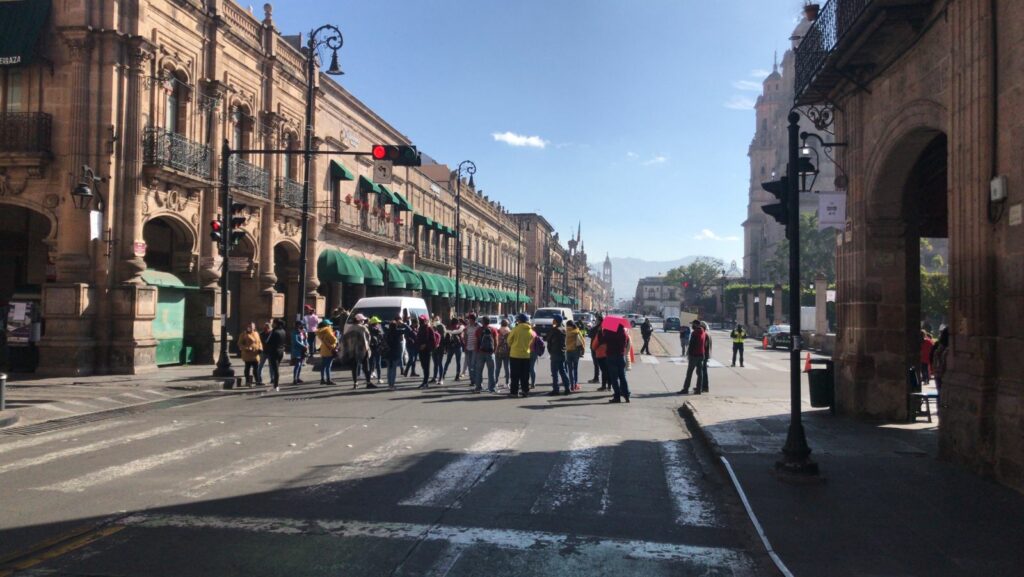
[835, 19]
[170, 150]
[25, 131]
[248, 177]
[289, 193]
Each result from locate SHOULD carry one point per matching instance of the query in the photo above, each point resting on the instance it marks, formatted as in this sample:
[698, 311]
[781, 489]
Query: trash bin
[822, 387]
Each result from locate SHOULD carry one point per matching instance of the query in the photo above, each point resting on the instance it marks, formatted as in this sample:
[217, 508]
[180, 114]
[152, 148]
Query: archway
[169, 267]
[245, 302]
[286, 269]
[24, 268]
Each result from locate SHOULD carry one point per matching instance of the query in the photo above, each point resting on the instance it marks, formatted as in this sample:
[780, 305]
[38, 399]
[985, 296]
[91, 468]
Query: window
[173, 117]
[290, 160]
[13, 91]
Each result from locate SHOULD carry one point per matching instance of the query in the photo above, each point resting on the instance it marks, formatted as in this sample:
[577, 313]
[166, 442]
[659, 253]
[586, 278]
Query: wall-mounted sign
[139, 249]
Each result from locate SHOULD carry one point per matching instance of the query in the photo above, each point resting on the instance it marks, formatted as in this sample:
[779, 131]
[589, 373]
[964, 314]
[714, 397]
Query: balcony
[25, 138]
[289, 193]
[248, 178]
[852, 41]
[180, 160]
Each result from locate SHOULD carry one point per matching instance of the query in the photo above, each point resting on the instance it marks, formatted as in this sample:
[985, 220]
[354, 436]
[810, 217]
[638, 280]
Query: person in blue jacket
[300, 350]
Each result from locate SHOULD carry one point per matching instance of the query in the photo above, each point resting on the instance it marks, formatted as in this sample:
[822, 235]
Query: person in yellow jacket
[328, 346]
[250, 345]
[520, 343]
[575, 345]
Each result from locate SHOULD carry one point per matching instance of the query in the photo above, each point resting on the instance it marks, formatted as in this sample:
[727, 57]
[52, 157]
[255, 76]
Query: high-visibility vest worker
[738, 335]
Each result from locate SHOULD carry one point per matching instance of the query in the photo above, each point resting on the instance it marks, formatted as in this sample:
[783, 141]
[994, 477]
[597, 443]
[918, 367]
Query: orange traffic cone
[807, 364]
[764, 343]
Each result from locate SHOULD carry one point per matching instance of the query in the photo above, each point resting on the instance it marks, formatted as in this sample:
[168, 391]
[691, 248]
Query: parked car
[495, 320]
[778, 335]
[386, 309]
[544, 317]
[635, 319]
[671, 324]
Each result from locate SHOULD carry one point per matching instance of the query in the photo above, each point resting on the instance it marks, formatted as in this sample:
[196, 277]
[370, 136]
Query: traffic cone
[764, 343]
[807, 364]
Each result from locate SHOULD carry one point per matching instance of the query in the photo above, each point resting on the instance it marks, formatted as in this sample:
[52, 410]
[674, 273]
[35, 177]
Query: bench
[916, 399]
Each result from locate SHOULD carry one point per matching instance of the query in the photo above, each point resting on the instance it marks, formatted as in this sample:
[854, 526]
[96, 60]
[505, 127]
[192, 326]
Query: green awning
[420, 220]
[430, 284]
[389, 196]
[439, 227]
[402, 204]
[372, 275]
[336, 266]
[413, 281]
[366, 185]
[463, 291]
[20, 26]
[448, 283]
[164, 279]
[339, 172]
[396, 278]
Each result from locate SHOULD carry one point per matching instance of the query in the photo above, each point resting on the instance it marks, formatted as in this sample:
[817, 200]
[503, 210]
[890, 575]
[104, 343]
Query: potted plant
[811, 10]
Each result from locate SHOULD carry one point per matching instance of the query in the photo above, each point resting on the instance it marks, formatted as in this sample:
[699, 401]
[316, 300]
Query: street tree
[817, 254]
[701, 274]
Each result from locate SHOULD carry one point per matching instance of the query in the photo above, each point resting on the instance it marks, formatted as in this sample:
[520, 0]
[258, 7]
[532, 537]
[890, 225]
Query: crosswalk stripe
[112, 473]
[707, 557]
[780, 369]
[157, 393]
[584, 472]
[458, 476]
[690, 506]
[375, 458]
[201, 485]
[77, 403]
[649, 360]
[60, 436]
[53, 407]
[134, 396]
[90, 448]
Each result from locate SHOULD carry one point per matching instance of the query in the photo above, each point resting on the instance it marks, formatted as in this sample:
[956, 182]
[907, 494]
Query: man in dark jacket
[646, 330]
[394, 345]
[615, 362]
[556, 347]
[427, 340]
[695, 355]
[276, 342]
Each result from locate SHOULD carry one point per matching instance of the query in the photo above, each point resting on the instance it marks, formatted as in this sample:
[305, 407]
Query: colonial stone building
[554, 275]
[928, 95]
[143, 94]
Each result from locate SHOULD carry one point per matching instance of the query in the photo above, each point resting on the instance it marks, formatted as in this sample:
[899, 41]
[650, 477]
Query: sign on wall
[831, 210]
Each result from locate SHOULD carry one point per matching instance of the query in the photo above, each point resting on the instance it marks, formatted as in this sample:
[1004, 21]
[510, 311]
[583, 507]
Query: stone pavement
[885, 505]
[32, 400]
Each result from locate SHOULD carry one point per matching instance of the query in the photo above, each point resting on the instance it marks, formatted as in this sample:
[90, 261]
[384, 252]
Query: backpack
[486, 344]
[538, 346]
[503, 346]
[437, 338]
[580, 342]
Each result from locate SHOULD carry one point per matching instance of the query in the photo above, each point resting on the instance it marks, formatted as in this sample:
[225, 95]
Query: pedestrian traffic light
[237, 221]
[780, 211]
[398, 154]
[216, 231]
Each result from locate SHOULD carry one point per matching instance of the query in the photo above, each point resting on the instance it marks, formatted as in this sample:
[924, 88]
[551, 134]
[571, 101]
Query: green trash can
[822, 387]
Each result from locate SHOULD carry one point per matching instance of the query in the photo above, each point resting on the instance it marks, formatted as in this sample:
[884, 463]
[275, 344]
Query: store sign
[139, 249]
[831, 210]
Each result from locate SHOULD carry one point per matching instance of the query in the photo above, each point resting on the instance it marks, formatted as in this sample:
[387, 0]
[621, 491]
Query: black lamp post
[82, 194]
[465, 167]
[333, 41]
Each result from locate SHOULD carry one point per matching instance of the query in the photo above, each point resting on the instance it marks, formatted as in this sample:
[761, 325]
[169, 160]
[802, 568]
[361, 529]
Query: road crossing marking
[157, 393]
[202, 484]
[90, 448]
[775, 368]
[458, 476]
[461, 536]
[134, 396]
[584, 472]
[648, 359]
[53, 407]
[691, 508]
[79, 484]
[60, 436]
[82, 404]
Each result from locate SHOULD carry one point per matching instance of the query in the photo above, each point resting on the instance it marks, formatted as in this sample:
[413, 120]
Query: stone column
[777, 304]
[821, 306]
[748, 309]
[762, 313]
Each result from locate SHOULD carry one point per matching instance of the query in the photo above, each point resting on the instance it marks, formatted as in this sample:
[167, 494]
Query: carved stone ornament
[173, 200]
[287, 227]
[51, 201]
[9, 187]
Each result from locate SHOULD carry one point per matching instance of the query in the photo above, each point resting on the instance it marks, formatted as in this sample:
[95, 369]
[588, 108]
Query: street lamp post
[465, 167]
[332, 40]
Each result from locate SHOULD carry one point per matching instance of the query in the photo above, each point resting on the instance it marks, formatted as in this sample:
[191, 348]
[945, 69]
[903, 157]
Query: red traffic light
[380, 152]
[686, 284]
[399, 154]
[215, 225]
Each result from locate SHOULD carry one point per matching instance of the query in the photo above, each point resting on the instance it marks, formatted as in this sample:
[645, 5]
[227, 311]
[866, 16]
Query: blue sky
[632, 116]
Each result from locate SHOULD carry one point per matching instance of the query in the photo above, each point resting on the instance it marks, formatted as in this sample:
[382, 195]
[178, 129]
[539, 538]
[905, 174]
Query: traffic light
[398, 154]
[237, 220]
[686, 284]
[780, 211]
[216, 231]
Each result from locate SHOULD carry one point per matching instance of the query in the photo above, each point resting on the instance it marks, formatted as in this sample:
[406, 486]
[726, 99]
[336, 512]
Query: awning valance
[336, 266]
[21, 23]
[403, 203]
[421, 220]
[413, 281]
[339, 172]
[387, 194]
[366, 185]
[372, 274]
[396, 278]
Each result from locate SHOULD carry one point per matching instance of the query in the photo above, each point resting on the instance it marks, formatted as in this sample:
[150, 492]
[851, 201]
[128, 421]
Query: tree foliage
[817, 254]
[702, 274]
[934, 296]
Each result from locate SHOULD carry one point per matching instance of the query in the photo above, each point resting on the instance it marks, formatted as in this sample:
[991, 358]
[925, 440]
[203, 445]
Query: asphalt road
[338, 481]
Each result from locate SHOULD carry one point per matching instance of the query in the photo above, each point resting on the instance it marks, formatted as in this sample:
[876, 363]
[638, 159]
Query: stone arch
[27, 203]
[171, 244]
[181, 224]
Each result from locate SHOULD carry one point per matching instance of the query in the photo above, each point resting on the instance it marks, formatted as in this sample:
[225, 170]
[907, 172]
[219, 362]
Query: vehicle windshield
[782, 328]
[546, 313]
[385, 314]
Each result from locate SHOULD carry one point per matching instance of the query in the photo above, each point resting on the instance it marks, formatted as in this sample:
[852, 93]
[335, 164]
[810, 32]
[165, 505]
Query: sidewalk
[886, 505]
[31, 401]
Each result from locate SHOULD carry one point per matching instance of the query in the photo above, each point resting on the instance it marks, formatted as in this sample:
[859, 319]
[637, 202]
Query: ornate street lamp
[465, 167]
[82, 194]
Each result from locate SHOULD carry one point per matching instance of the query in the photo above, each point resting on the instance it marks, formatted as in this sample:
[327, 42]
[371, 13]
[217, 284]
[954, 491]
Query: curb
[689, 413]
[7, 421]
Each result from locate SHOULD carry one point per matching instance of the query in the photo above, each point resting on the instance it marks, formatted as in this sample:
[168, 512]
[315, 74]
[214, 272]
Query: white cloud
[708, 234]
[660, 159]
[632, 155]
[748, 85]
[513, 139]
[740, 103]
[760, 73]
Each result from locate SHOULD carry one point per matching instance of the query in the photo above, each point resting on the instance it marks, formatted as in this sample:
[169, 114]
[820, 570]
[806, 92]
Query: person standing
[599, 351]
[427, 340]
[738, 335]
[486, 345]
[501, 355]
[328, 347]
[453, 347]
[438, 353]
[274, 351]
[707, 357]
[695, 358]
[684, 338]
[574, 346]
[394, 347]
[250, 345]
[615, 362]
[556, 348]
[595, 332]
[520, 349]
[924, 368]
[300, 350]
[357, 349]
[646, 330]
[412, 348]
[376, 345]
[310, 319]
[264, 335]
[939, 358]
[471, 334]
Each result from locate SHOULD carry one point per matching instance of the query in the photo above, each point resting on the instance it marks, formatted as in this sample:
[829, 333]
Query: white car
[544, 317]
[386, 309]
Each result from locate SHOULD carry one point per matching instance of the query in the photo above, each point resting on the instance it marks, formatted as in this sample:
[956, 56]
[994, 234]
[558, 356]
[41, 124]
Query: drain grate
[68, 422]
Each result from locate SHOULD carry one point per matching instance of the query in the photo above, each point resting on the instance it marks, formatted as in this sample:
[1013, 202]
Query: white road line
[90, 448]
[54, 407]
[79, 484]
[134, 396]
[82, 404]
[455, 478]
[107, 400]
[374, 458]
[201, 485]
[583, 473]
[649, 360]
[780, 369]
[508, 539]
[691, 507]
[155, 392]
[59, 436]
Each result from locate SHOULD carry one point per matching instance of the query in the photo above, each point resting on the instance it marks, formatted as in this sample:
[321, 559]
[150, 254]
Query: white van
[386, 309]
[544, 317]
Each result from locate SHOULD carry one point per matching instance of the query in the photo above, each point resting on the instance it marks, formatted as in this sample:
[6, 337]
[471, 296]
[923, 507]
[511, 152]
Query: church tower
[606, 276]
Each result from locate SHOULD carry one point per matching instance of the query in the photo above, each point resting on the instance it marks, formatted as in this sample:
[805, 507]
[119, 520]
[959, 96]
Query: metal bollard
[3, 391]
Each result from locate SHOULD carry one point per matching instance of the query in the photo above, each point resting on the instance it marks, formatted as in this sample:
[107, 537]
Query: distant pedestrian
[617, 343]
[599, 349]
[394, 347]
[738, 335]
[250, 345]
[646, 330]
[575, 345]
[556, 348]
[704, 384]
[328, 348]
[300, 350]
[471, 334]
[501, 358]
[453, 343]
[427, 340]
[939, 358]
[520, 342]
[486, 347]
[310, 319]
[695, 358]
[376, 346]
[412, 349]
[438, 353]
[924, 368]
[277, 341]
[595, 330]
[357, 349]
[264, 335]
[684, 338]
